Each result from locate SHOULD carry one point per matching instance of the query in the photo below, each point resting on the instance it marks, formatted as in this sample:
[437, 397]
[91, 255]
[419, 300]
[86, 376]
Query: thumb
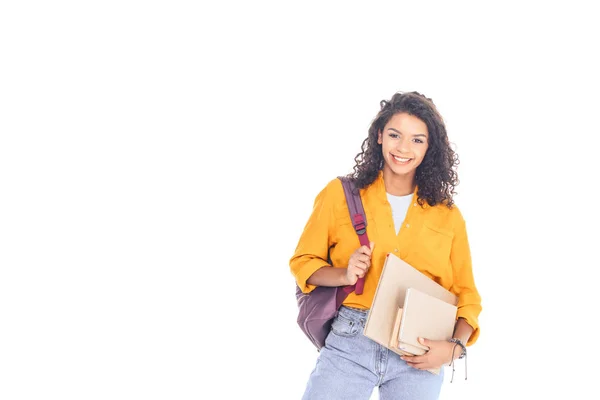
[372, 245]
[424, 341]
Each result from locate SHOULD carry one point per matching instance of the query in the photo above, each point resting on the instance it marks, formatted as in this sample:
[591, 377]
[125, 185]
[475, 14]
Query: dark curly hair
[436, 176]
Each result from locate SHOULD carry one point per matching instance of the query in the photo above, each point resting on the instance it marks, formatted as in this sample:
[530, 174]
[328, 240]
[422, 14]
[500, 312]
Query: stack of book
[408, 305]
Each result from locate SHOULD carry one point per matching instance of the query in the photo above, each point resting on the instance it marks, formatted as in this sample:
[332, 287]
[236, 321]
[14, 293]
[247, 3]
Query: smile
[401, 160]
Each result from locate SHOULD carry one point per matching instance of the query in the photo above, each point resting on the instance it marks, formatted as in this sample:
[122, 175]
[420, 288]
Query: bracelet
[460, 343]
[463, 354]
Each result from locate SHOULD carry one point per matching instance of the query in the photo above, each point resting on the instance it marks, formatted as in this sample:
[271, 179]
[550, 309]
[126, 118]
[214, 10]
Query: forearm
[462, 330]
[328, 276]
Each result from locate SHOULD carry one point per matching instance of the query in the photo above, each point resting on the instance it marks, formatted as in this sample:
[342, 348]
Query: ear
[379, 138]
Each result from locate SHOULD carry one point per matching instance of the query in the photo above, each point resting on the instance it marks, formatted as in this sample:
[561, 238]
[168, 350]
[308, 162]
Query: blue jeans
[351, 365]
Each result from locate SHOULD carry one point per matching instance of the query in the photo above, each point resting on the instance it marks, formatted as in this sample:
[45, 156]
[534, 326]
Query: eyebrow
[417, 135]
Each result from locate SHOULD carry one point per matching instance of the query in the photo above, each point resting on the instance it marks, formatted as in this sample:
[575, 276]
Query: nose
[404, 145]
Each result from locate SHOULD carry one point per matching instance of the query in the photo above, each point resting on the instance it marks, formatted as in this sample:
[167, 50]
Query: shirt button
[415, 204]
[395, 250]
[408, 225]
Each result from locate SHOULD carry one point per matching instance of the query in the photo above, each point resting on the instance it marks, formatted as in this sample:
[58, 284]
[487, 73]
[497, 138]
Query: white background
[158, 161]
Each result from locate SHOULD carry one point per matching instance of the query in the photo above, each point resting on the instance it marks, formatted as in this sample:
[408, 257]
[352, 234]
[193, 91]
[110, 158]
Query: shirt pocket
[433, 247]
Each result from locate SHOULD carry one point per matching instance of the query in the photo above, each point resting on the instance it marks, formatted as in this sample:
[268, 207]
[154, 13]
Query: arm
[466, 328]
[358, 264]
[309, 263]
[312, 251]
[462, 331]
[469, 301]
[327, 276]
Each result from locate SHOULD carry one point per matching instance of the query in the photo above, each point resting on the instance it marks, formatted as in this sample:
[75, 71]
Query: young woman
[406, 178]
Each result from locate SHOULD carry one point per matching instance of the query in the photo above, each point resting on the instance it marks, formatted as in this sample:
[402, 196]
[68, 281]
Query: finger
[364, 258]
[414, 365]
[360, 265]
[363, 271]
[364, 250]
[357, 272]
[414, 359]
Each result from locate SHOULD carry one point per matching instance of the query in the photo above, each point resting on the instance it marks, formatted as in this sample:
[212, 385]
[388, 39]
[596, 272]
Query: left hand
[440, 353]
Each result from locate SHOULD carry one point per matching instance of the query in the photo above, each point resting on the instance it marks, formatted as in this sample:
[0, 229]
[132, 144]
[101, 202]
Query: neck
[398, 185]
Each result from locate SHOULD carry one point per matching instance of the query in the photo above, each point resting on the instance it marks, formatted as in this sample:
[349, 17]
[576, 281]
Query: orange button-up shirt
[431, 239]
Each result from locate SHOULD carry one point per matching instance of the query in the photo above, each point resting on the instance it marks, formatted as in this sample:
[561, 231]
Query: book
[394, 342]
[396, 277]
[424, 316]
[387, 309]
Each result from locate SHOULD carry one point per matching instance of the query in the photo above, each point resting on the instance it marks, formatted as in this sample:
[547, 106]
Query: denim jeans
[351, 365]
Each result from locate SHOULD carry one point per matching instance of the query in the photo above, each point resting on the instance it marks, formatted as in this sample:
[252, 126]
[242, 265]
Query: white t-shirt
[399, 208]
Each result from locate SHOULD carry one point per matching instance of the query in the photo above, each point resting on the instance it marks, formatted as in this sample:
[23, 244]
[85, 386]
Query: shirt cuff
[306, 271]
[469, 315]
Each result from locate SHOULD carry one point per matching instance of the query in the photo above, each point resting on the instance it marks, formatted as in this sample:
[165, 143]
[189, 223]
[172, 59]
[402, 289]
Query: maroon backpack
[317, 309]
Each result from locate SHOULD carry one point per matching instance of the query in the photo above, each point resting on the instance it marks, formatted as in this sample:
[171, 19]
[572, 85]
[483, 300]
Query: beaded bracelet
[460, 343]
[463, 354]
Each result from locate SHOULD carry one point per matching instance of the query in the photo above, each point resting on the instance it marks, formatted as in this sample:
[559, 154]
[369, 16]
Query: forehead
[407, 124]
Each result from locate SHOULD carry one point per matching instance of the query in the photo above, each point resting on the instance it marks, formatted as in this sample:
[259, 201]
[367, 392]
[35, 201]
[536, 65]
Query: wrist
[459, 350]
[344, 280]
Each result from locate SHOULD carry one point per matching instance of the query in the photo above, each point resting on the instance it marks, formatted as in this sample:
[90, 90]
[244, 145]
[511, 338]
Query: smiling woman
[410, 126]
[406, 178]
[403, 152]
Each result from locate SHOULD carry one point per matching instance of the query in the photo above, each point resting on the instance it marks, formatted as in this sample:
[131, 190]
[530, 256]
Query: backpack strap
[358, 218]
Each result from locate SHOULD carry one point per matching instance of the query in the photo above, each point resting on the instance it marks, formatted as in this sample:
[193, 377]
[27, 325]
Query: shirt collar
[377, 189]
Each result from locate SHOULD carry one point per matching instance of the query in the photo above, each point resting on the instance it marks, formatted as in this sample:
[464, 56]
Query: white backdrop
[158, 161]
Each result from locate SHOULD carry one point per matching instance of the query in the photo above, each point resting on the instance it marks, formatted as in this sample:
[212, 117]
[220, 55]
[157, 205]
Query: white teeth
[401, 159]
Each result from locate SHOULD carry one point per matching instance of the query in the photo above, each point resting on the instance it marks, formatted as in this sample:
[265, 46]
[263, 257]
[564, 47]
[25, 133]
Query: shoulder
[334, 185]
[332, 193]
[333, 197]
[331, 189]
[444, 218]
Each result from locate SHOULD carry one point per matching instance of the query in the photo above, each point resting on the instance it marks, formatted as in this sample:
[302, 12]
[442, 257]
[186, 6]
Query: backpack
[317, 309]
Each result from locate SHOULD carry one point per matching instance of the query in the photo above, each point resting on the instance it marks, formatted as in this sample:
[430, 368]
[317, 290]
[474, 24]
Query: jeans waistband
[353, 313]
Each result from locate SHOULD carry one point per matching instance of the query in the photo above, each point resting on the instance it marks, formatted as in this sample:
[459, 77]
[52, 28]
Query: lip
[408, 160]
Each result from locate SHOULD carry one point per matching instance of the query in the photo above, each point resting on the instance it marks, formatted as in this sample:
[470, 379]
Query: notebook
[394, 341]
[396, 277]
[424, 316]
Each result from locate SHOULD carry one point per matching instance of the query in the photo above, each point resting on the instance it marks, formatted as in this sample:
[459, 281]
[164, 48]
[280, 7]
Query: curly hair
[435, 177]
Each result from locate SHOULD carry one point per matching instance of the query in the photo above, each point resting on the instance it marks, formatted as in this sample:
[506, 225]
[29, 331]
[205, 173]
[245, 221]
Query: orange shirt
[431, 239]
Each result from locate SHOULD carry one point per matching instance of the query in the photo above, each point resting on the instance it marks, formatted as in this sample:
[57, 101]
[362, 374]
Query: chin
[403, 170]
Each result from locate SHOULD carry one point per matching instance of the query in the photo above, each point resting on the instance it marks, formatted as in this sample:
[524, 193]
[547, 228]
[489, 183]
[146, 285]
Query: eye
[418, 140]
[394, 135]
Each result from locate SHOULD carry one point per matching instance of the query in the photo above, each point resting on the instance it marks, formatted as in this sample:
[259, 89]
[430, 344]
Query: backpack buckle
[359, 224]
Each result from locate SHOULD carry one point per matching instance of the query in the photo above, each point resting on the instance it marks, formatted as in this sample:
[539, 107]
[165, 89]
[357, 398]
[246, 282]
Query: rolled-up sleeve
[312, 251]
[469, 301]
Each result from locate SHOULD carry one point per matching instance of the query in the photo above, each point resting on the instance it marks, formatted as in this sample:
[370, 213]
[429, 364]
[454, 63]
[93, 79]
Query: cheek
[384, 146]
[421, 154]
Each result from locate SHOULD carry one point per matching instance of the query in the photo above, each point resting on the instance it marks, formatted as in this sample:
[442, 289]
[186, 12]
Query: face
[404, 142]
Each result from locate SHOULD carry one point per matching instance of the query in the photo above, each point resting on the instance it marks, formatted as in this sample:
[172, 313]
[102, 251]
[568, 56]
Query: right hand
[359, 263]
